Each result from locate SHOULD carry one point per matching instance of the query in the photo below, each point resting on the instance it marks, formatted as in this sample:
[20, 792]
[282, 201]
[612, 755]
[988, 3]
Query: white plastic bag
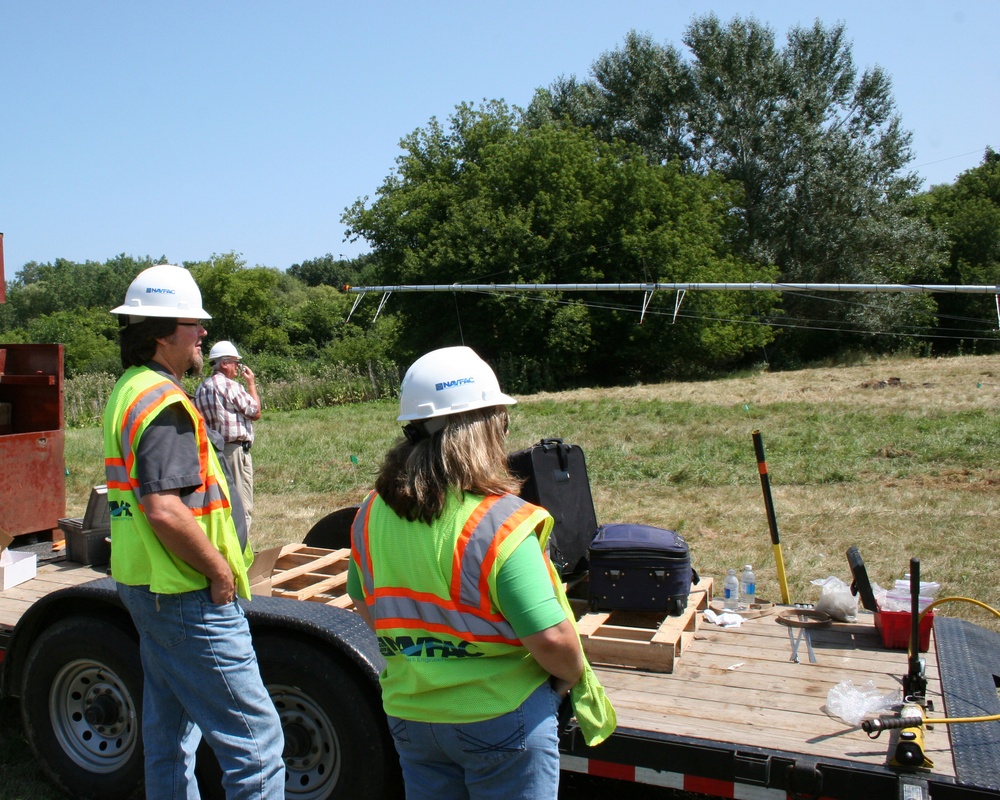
[853, 703]
[836, 599]
[898, 598]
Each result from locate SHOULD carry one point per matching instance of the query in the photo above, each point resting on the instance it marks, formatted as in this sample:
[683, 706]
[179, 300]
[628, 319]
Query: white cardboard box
[15, 567]
[21, 568]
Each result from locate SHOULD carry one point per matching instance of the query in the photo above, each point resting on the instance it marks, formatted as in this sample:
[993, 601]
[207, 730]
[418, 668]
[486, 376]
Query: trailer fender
[96, 598]
[73, 660]
[343, 631]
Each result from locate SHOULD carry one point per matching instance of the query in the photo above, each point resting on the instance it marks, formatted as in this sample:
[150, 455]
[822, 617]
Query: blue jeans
[201, 678]
[511, 757]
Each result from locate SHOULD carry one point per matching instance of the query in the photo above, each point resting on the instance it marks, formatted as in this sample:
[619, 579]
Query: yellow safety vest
[450, 654]
[137, 556]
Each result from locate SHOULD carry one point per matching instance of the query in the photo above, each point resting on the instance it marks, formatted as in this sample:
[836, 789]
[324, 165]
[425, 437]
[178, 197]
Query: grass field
[897, 457]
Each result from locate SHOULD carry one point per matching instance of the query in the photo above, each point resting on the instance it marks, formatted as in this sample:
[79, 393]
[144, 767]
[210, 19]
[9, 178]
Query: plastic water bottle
[731, 591]
[748, 586]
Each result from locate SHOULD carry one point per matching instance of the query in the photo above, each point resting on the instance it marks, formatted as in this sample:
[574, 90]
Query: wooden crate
[643, 640]
[312, 573]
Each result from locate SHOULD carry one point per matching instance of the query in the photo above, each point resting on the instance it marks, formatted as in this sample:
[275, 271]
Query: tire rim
[93, 716]
[312, 749]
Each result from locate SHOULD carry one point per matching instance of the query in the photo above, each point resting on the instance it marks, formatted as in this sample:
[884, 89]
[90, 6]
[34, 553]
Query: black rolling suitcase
[555, 476]
[640, 568]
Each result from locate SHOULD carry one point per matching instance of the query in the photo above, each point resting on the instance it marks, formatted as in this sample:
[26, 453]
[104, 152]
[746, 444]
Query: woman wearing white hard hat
[448, 568]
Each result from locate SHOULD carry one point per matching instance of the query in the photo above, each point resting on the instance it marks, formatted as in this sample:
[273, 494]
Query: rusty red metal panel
[32, 454]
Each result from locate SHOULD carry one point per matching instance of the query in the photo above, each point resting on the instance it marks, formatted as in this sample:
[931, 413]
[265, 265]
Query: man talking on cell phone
[231, 409]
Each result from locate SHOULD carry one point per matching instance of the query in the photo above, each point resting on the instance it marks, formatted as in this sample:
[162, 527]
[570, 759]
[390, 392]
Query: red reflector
[709, 786]
[607, 769]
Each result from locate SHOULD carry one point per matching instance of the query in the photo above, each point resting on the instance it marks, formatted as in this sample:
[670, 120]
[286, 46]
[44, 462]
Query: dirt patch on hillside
[893, 383]
[963, 479]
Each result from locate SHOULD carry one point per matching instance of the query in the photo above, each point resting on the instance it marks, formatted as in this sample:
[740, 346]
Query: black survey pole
[915, 680]
[772, 522]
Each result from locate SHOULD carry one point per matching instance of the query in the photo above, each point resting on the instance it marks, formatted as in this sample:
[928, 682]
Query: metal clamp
[803, 620]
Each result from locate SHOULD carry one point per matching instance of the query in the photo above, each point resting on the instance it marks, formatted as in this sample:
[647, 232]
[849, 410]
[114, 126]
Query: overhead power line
[914, 288]
[680, 288]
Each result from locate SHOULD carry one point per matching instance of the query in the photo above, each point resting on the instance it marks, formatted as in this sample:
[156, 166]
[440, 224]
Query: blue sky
[183, 129]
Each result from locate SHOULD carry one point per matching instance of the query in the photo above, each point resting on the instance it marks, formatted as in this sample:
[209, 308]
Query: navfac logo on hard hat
[159, 290]
[452, 384]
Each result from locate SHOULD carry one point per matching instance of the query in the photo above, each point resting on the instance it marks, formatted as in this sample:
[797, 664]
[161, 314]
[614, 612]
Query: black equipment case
[640, 568]
[555, 478]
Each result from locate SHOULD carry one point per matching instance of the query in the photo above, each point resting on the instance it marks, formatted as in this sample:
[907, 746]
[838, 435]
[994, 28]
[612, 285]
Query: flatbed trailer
[734, 717]
[737, 717]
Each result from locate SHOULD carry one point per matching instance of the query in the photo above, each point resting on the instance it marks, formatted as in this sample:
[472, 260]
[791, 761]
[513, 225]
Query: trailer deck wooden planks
[49, 577]
[734, 685]
[739, 685]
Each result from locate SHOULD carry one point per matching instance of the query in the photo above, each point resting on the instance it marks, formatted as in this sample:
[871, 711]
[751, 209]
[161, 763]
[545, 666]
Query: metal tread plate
[969, 662]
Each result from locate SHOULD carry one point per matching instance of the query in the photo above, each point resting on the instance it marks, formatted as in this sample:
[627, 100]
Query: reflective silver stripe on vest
[360, 543]
[470, 615]
[140, 407]
[430, 615]
[196, 500]
[479, 544]
[116, 474]
[153, 397]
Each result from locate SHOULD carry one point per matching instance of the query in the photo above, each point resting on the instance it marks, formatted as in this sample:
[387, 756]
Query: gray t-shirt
[167, 457]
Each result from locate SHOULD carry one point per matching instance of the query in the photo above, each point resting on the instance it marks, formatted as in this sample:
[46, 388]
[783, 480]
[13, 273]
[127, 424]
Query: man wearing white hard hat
[179, 558]
[231, 410]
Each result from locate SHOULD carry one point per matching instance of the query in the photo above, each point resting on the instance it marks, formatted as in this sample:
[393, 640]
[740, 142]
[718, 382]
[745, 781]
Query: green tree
[318, 315]
[68, 303]
[242, 302]
[338, 272]
[490, 200]
[642, 94]
[819, 151]
[967, 213]
[88, 334]
[40, 289]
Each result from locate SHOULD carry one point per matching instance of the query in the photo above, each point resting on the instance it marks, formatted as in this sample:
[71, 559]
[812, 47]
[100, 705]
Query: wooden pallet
[312, 573]
[640, 639]
[622, 638]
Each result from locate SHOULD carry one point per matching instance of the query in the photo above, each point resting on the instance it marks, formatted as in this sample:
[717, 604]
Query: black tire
[81, 704]
[337, 743]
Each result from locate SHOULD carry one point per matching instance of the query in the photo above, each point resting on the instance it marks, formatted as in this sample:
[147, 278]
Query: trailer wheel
[337, 743]
[80, 707]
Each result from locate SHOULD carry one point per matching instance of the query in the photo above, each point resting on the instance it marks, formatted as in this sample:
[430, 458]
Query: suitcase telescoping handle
[561, 475]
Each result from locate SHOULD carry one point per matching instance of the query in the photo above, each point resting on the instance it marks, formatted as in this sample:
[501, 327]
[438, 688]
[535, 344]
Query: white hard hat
[448, 381]
[221, 350]
[163, 291]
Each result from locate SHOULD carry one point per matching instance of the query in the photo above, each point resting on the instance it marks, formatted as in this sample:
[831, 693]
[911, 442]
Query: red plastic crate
[894, 627]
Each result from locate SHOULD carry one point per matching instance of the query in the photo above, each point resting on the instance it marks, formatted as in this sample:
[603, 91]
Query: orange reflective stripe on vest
[120, 472]
[467, 612]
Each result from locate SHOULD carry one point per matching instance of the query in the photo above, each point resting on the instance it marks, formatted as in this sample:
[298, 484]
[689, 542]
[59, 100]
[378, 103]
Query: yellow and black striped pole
[772, 522]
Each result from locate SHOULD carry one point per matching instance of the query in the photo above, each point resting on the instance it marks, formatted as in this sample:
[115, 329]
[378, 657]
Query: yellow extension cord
[955, 720]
